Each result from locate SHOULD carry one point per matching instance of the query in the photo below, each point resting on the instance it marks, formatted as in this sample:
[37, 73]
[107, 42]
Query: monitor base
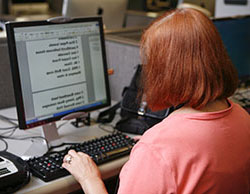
[50, 133]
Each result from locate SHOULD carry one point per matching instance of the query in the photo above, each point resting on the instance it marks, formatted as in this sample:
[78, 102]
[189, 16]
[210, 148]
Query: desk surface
[36, 147]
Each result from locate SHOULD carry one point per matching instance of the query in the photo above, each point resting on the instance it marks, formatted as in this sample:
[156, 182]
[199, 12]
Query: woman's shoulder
[181, 126]
[163, 130]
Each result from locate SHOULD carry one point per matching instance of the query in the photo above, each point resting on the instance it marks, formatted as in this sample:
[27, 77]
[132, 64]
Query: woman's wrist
[93, 185]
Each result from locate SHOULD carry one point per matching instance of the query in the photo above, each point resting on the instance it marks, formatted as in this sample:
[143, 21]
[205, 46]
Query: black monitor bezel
[10, 26]
[27, 1]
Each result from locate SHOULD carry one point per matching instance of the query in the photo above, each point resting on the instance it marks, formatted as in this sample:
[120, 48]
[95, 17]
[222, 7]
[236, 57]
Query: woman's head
[184, 61]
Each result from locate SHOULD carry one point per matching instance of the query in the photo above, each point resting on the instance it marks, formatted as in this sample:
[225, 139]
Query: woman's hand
[85, 171]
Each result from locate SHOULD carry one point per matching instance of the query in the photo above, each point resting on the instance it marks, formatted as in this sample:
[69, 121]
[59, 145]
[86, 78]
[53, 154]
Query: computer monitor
[207, 4]
[112, 11]
[230, 8]
[59, 68]
[235, 33]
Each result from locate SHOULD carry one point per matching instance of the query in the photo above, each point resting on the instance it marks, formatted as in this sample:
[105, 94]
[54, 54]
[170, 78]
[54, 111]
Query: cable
[24, 138]
[12, 128]
[3, 135]
[8, 131]
[7, 128]
[102, 127]
[64, 123]
[6, 144]
[8, 119]
[57, 146]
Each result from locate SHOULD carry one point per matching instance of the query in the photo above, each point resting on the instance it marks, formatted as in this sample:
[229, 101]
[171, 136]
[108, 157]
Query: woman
[203, 147]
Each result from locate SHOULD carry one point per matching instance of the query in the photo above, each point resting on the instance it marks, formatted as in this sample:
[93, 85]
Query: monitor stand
[38, 148]
[50, 133]
[50, 130]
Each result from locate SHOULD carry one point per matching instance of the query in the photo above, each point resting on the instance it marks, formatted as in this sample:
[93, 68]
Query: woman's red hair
[185, 62]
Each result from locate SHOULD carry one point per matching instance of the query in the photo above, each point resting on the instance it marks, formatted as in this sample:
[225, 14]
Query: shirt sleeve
[145, 172]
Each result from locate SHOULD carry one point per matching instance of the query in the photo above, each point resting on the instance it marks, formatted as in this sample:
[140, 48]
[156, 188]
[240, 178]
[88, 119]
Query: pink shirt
[192, 153]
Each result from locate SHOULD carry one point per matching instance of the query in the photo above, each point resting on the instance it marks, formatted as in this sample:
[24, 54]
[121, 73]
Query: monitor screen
[235, 33]
[59, 67]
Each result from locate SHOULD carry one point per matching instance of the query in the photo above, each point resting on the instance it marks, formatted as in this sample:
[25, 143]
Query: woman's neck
[214, 106]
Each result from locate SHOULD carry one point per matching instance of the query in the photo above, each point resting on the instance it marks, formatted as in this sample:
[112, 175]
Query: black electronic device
[236, 2]
[59, 69]
[14, 172]
[136, 116]
[28, 1]
[101, 150]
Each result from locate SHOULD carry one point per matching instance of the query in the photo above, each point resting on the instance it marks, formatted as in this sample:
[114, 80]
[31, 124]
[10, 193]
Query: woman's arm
[85, 171]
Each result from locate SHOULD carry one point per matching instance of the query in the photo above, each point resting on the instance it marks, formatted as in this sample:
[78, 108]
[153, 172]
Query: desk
[68, 133]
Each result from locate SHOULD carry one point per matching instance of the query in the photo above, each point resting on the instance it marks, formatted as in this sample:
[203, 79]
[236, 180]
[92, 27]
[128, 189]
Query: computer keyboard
[48, 167]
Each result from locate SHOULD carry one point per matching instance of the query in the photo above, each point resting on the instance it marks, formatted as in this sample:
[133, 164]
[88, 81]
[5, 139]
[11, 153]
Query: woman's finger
[72, 153]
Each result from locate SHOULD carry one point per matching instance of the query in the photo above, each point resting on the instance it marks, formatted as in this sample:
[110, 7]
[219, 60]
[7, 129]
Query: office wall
[123, 59]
